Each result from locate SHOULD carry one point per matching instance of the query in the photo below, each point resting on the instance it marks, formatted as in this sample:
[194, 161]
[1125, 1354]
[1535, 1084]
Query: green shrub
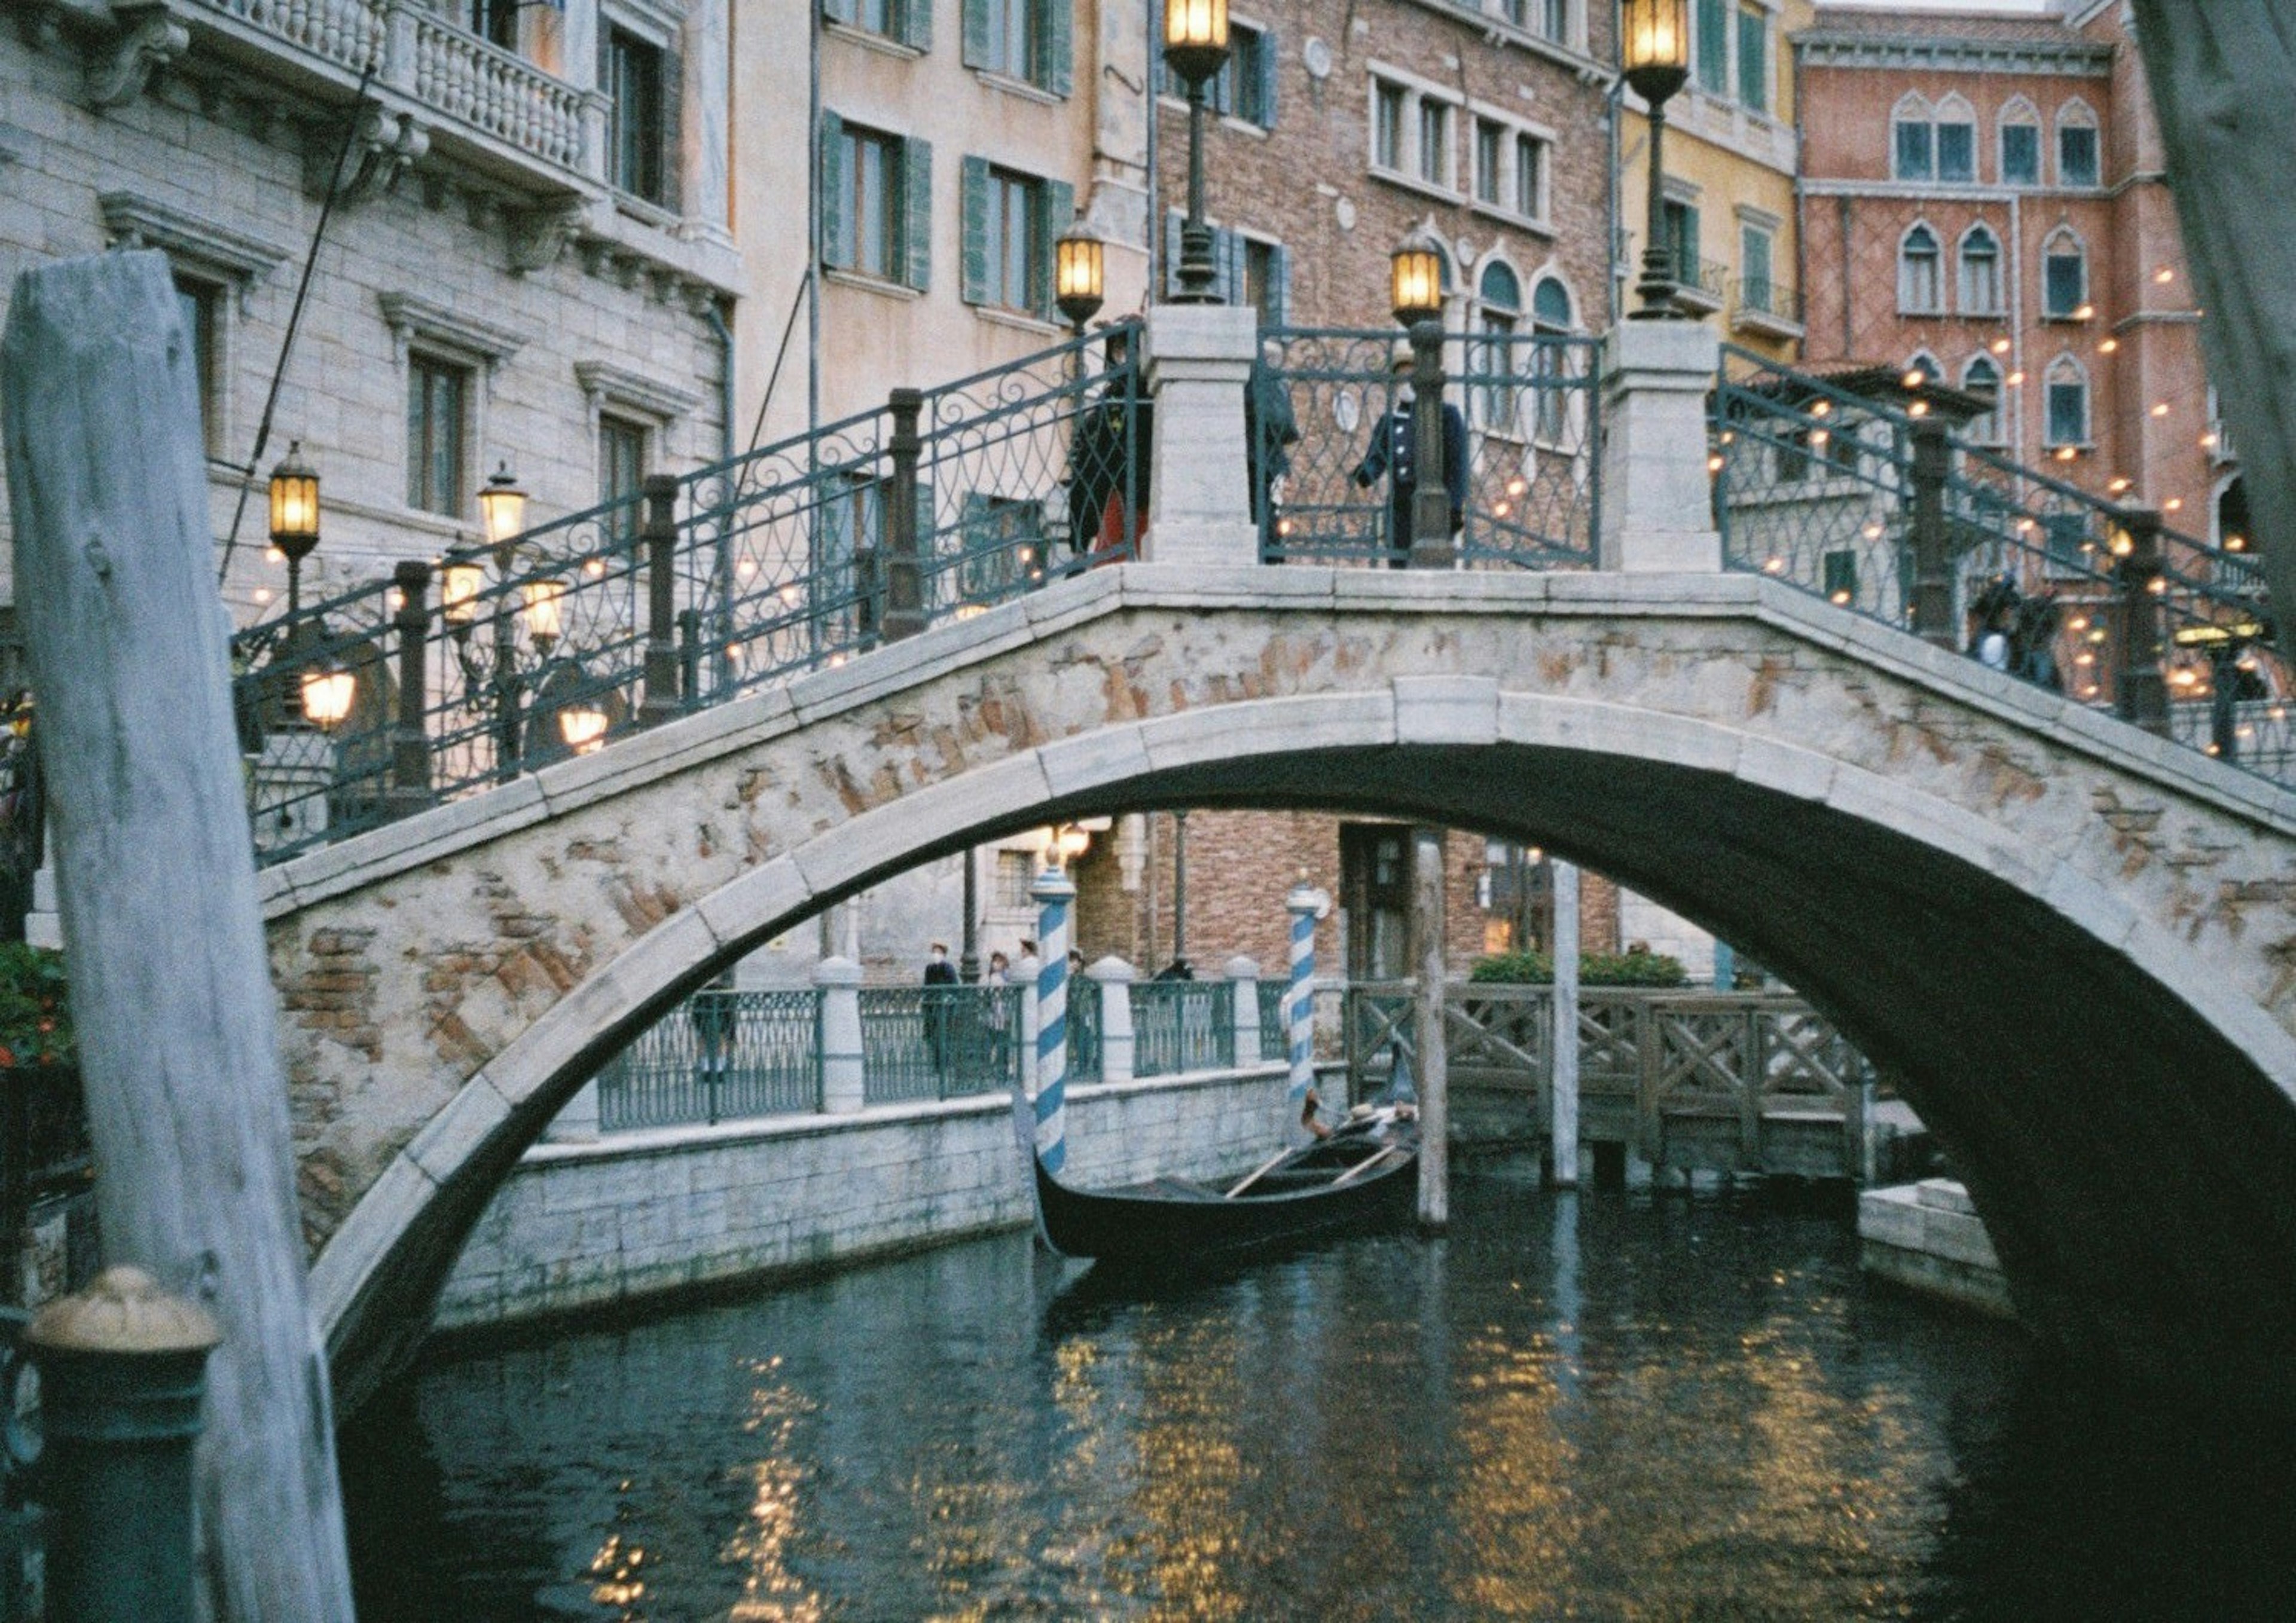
[1642, 969]
[35, 1025]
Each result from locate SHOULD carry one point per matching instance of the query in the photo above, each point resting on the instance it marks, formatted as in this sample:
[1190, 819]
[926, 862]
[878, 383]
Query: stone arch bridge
[2075, 943]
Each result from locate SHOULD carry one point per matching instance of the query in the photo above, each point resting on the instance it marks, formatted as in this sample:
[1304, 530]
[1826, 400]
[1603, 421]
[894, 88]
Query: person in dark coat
[1109, 464]
[1392, 452]
[1269, 431]
[939, 973]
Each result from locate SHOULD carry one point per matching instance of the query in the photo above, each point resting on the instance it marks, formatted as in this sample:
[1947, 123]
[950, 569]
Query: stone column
[1243, 974]
[705, 202]
[1199, 360]
[1115, 977]
[842, 1086]
[578, 1123]
[1053, 892]
[1434, 1073]
[1562, 1050]
[1658, 500]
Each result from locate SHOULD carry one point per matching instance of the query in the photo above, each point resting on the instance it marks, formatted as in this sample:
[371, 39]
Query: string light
[2160, 409]
[1774, 566]
[2164, 275]
[2000, 345]
[2118, 485]
[2108, 346]
[2175, 504]
[2014, 379]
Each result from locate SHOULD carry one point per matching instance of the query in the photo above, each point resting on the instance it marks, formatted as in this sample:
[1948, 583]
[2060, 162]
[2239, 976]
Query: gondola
[1363, 1177]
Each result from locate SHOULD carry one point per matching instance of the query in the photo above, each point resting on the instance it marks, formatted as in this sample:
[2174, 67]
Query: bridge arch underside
[2129, 1156]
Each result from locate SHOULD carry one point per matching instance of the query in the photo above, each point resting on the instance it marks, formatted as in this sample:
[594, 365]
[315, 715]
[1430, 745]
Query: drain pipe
[721, 563]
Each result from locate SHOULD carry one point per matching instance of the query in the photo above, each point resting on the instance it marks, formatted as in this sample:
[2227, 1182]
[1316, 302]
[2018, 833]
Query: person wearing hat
[1393, 452]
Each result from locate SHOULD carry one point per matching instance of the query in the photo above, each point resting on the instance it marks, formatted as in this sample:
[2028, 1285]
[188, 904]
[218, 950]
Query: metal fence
[1182, 1026]
[1085, 997]
[1873, 502]
[1324, 413]
[941, 1042]
[500, 659]
[1275, 1037]
[719, 1056]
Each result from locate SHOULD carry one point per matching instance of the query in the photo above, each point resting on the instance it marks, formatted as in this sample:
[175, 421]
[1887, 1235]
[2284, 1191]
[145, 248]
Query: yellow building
[1731, 158]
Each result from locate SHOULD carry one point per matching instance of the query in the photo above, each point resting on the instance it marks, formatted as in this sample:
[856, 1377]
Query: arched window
[2020, 143]
[2233, 531]
[1552, 315]
[2067, 404]
[1921, 290]
[2078, 162]
[1980, 292]
[2064, 276]
[1500, 317]
[1501, 289]
[1926, 364]
[1912, 140]
[1956, 140]
[1982, 377]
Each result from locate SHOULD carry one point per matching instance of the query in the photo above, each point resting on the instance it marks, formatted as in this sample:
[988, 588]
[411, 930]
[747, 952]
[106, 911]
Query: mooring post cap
[123, 1312]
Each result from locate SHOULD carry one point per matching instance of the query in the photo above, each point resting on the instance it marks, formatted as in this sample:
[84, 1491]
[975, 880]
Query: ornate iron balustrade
[1275, 1033]
[1086, 999]
[1182, 1026]
[702, 587]
[1879, 506]
[1533, 496]
[940, 1041]
[720, 1055]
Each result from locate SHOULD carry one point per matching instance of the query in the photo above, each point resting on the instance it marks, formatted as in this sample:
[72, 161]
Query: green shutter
[1228, 266]
[976, 229]
[1173, 222]
[976, 33]
[1280, 311]
[916, 213]
[1051, 220]
[916, 23]
[837, 11]
[836, 248]
[1056, 19]
[1265, 61]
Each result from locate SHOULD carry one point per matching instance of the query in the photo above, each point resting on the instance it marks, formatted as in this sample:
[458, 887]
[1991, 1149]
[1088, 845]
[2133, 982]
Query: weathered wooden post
[905, 586]
[1563, 1051]
[661, 702]
[178, 1023]
[1434, 1071]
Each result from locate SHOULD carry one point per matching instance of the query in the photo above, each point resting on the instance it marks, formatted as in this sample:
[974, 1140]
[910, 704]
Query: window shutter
[916, 23]
[1279, 313]
[1264, 62]
[1228, 266]
[1059, 208]
[975, 228]
[1173, 222]
[837, 11]
[1057, 71]
[836, 244]
[976, 35]
[916, 213]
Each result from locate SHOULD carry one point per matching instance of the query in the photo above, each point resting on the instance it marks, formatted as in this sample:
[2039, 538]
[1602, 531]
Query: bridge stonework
[2073, 944]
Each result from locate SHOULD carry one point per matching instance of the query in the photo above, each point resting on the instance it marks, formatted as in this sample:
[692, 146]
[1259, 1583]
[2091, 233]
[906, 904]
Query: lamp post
[1415, 291]
[294, 516]
[1195, 48]
[1654, 49]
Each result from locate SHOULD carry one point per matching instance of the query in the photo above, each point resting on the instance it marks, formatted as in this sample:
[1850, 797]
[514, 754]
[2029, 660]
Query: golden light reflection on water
[762, 1546]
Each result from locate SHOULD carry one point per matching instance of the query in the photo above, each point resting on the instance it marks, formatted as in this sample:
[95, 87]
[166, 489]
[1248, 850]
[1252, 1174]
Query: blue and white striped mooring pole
[1306, 905]
[1053, 891]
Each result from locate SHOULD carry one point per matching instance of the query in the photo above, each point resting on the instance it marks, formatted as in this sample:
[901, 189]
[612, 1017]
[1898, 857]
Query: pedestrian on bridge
[940, 978]
[1393, 451]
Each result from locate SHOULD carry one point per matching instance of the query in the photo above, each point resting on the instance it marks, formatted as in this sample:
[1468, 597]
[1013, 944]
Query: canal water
[1607, 1405]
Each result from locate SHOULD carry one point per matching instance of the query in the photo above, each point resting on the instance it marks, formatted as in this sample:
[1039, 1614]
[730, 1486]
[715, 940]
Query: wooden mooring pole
[1434, 1069]
[170, 988]
[1562, 1050]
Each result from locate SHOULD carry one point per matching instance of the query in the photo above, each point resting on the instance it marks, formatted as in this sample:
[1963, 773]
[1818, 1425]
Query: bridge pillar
[842, 1085]
[1116, 1045]
[1199, 497]
[1658, 498]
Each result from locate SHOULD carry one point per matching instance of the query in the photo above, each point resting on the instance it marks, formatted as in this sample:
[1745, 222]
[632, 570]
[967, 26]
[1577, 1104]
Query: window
[2077, 154]
[1016, 870]
[1245, 270]
[2064, 278]
[1267, 280]
[1681, 220]
[2021, 144]
[1551, 318]
[909, 22]
[2065, 542]
[1548, 19]
[1530, 177]
[1387, 128]
[1980, 272]
[1920, 286]
[1245, 85]
[1755, 291]
[496, 22]
[1434, 143]
[1982, 377]
[1010, 220]
[1754, 57]
[1501, 312]
[621, 473]
[1710, 47]
[1957, 141]
[202, 305]
[1926, 365]
[1912, 146]
[1490, 142]
[436, 399]
[2067, 403]
[634, 138]
[1029, 40]
[1003, 541]
[876, 202]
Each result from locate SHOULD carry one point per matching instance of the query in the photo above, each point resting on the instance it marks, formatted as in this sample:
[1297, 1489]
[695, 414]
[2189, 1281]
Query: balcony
[1700, 287]
[1766, 306]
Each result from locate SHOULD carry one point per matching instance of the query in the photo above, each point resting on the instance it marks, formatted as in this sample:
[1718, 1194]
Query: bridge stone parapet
[2075, 944]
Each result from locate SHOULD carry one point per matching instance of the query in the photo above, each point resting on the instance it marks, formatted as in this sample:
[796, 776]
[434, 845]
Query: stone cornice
[413, 318]
[2075, 58]
[133, 220]
[614, 385]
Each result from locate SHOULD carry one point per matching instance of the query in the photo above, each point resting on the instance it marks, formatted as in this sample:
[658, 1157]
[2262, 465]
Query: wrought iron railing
[938, 1042]
[1874, 502]
[720, 1055]
[1274, 1038]
[1085, 1000]
[1528, 405]
[498, 660]
[1766, 296]
[1182, 1026]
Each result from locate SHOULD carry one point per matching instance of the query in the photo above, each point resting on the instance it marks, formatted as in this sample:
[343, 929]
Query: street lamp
[1195, 48]
[502, 506]
[327, 692]
[1654, 49]
[1416, 282]
[1079, 275]
[294, 516]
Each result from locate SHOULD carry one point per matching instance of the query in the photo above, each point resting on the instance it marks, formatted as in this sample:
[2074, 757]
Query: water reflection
[1583, 1405]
